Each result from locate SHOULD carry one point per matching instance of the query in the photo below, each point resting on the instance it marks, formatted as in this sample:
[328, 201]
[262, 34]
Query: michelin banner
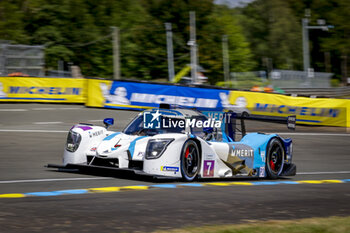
[54, 90]
[138, 96]
[322, 111]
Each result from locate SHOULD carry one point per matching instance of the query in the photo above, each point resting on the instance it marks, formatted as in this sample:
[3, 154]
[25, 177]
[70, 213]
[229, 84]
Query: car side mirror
[108, 122]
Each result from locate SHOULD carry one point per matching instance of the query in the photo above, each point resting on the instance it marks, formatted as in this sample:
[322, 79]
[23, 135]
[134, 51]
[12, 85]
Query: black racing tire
[275, 158]
[190, 160]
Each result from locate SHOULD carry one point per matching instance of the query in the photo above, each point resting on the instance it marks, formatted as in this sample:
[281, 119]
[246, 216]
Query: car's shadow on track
[125, 175]
[128, 175]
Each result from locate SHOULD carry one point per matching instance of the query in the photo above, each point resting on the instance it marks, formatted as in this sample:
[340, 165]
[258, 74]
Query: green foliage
[78, 32]
[244, 81]
[224, 22]
[11, 22]
[310, 225]
[335, 82]
[273, 32]
[336, 41]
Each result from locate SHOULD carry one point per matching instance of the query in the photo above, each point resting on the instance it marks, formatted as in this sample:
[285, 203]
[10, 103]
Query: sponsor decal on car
[241, 150]
[169, 169]
[262, 172]
[263, 156]
[96, 133]
[209, 157]
[208, 168]
[141, 154]
[243, 153]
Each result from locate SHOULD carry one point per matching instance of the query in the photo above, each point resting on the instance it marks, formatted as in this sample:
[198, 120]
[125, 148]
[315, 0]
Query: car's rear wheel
[274, 158]
[190, 160]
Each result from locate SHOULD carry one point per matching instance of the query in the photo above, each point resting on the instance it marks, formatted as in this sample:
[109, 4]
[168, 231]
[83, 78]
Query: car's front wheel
[274, 158]
[190, 160]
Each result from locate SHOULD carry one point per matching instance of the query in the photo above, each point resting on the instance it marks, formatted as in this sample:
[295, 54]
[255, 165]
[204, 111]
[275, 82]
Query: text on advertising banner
[135, 95]
[54, 90]
[321, 111]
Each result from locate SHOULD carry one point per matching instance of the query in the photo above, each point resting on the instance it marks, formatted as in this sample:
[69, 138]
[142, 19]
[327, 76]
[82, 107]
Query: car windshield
[136, 127]
[198, 131]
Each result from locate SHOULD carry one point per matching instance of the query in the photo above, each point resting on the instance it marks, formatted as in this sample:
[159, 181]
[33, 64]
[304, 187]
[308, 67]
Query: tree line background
[261, 34]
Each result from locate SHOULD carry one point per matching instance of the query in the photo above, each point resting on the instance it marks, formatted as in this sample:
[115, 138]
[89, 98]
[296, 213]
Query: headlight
[73, 141]
[156, 147]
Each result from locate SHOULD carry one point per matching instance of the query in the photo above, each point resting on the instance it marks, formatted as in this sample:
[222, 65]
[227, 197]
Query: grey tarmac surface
[317, 150]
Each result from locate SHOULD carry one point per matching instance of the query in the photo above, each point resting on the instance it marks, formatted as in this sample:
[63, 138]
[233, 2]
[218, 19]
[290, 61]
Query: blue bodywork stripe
[132, 145]
[111, 136]
[168, 111]
[256, 141]
[226, 138]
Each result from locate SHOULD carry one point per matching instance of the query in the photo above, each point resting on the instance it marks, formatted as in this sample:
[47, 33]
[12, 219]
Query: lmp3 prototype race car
[181, 143]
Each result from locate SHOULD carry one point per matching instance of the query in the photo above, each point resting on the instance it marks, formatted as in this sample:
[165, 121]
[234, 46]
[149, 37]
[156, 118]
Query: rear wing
[230, 126]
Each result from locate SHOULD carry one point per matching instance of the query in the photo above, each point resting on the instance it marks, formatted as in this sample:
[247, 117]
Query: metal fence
[59, 73]
[26, 59]
[280, 78]
[335, 92]
[300, 79]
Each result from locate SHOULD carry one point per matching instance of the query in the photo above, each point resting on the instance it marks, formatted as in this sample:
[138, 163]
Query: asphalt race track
[33, 135]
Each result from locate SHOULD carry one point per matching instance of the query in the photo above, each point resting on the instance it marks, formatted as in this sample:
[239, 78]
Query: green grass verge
[309, 225]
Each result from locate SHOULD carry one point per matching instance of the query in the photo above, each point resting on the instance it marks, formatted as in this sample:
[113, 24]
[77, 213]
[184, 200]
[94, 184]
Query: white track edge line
[48, 122]
[48, 180]
[315, 134]
[32, 131]
[321, 173]
[13, 110]
[107, 178]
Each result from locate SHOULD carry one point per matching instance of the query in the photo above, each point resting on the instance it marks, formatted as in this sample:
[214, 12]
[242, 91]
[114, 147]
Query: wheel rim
[190, 161]
[276, 159]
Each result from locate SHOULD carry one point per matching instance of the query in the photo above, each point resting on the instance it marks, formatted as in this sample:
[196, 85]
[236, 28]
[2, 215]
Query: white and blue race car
[181, 143]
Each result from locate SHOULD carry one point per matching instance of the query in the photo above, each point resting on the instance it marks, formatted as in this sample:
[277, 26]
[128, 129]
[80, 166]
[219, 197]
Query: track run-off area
[35, 198]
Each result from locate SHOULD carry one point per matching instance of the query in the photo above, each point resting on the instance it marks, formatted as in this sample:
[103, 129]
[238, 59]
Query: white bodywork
[165, 153]
[97, 142]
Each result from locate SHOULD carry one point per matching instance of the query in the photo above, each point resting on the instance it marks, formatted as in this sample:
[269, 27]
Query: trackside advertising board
[322, 111]
[140, 96]
[135, 95]
[53, 90]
